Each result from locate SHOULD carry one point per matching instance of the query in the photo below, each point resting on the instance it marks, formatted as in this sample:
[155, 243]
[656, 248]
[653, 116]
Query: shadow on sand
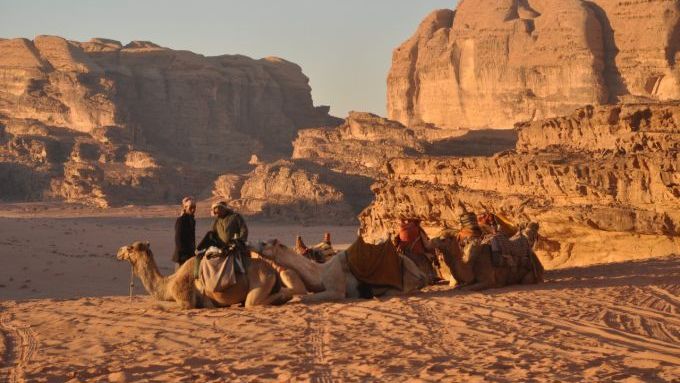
[657, 271]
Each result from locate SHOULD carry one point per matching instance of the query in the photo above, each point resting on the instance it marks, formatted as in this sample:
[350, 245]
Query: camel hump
[375, 264]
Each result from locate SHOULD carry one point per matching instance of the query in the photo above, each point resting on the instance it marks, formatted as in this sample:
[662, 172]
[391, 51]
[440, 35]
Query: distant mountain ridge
[98, 122]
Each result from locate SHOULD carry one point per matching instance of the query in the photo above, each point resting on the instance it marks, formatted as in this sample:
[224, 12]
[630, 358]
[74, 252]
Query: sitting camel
[473, 269]
[321, 252]
[259, 286]
[335, 280]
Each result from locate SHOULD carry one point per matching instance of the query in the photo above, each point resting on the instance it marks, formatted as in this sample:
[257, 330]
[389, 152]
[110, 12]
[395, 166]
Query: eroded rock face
[361, 145]
[141, 117]
[364, 143]
[603, 184]
[491, 63]
[294, 191]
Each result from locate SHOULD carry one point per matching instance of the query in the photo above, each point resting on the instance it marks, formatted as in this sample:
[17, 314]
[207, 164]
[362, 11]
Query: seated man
[228, 230]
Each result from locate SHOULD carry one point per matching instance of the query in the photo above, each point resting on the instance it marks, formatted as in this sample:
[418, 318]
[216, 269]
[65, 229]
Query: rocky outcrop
[490, 63]
[361, 145]
[364, 143]
[603, 183]
[295, 191]
[140, 117]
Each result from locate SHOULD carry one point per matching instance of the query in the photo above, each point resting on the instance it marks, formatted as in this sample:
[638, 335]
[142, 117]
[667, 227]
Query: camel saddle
[218, 269]
[378, 265]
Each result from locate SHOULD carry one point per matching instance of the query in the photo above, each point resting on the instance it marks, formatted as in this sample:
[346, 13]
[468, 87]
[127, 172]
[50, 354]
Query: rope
[132, 280]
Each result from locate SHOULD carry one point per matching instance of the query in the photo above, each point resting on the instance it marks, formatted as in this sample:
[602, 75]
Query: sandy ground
[65, 316]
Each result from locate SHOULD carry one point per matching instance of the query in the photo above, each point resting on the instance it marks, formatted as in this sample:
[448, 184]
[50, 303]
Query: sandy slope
[615, 322]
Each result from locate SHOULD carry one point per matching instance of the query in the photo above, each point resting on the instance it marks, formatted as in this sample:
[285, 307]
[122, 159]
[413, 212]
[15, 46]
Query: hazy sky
[344, 46]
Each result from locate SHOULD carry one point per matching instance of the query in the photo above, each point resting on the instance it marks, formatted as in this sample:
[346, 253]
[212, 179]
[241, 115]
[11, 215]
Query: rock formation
[604, 183]
[492, 63]
[101, 122]
[361, 145]
[297, 191]
[364, 143]
[332, 168]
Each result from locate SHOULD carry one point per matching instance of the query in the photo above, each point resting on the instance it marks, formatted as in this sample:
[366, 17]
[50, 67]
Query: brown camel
[259, 286]
[333, 280]
[473, 268]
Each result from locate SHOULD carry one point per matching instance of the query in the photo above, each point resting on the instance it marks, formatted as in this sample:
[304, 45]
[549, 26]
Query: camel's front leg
[324, 296]
[479, 286]
[292, 280]
[259, 295]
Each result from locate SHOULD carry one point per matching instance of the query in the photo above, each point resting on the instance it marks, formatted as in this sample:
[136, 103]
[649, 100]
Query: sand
[65, 316]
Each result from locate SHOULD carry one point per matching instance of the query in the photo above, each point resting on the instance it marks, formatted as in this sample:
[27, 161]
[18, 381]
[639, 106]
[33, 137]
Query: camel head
[446, 243]
[270, 249]
[530, 231]
[135, 252]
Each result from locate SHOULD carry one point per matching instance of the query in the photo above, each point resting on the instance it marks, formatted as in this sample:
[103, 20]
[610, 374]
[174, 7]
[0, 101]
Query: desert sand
[65, 316]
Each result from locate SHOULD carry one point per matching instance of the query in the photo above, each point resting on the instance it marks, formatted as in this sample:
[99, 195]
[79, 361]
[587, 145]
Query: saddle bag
[218, 270]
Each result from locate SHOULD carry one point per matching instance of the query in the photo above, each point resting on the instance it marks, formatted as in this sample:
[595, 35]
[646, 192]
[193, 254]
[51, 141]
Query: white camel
[333, 280]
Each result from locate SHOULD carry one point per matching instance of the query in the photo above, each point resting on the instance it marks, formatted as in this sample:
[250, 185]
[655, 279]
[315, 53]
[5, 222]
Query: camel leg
[476, 286]
[262, 296]
[328, 295]
[292, 280]
[279, 298]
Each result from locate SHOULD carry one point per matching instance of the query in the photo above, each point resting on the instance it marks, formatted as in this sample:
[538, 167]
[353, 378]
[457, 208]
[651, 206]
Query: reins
[132, 280]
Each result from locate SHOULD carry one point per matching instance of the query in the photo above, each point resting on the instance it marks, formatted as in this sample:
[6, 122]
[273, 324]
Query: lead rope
[132, 280]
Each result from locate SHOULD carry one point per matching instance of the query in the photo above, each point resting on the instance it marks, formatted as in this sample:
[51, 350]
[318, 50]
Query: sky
[343, 46]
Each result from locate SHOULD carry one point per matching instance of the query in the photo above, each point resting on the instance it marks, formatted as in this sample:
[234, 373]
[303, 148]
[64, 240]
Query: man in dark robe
[185, 233]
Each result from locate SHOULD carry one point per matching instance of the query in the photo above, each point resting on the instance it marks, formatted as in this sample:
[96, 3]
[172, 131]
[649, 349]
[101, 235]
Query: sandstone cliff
[603, 183]
[156, 122]
[491, 63]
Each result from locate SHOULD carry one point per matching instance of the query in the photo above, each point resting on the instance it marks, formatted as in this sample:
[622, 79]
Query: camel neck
[462, 271]
[154, 283]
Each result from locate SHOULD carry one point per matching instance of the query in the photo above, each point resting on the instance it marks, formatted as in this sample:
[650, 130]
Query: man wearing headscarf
[228, 227]
[185, 233]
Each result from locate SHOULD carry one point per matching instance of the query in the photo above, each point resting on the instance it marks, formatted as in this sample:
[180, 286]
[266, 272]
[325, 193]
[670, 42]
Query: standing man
[185, 233]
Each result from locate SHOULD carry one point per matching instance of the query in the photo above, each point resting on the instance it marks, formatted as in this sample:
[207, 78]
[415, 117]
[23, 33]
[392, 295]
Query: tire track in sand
[318, 338]
[20, 347]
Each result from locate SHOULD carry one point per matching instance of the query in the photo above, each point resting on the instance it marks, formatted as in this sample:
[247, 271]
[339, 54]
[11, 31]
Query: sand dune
[65, 317]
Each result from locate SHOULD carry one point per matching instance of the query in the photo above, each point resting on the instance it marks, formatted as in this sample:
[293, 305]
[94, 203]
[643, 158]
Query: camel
[259, 286]
[320, 252]
[474, 270]
[333, 280]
